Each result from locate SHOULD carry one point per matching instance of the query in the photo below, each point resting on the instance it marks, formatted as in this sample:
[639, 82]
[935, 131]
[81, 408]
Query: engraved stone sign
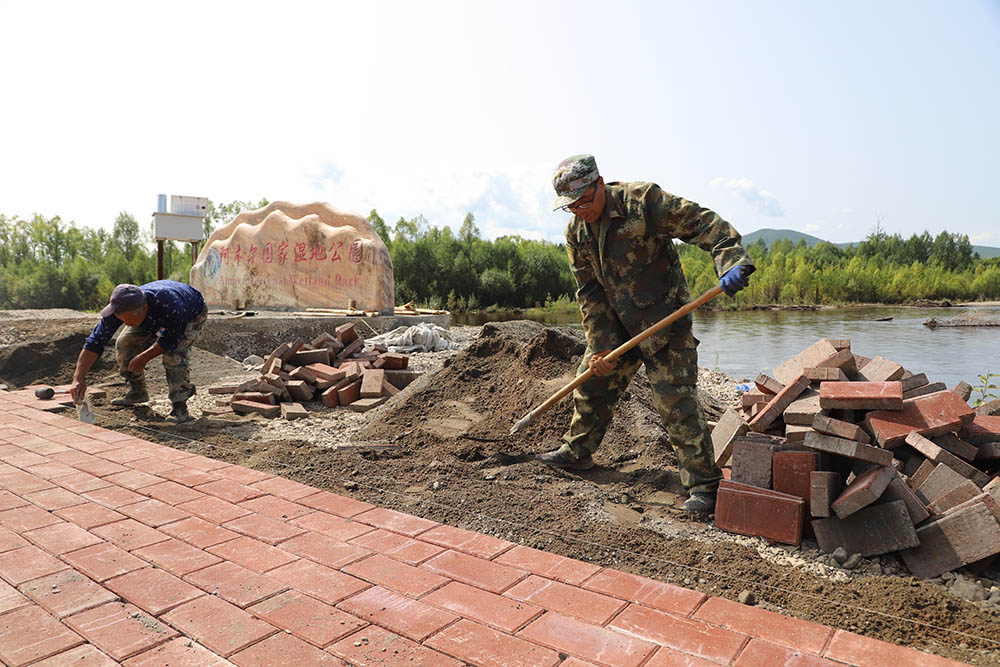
[290, 257]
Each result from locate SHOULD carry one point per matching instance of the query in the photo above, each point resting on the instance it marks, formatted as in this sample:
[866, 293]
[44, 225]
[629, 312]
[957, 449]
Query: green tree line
[46, 262]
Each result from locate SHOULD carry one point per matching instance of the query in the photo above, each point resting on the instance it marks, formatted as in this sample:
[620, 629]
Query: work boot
[700, 501]
[134, 396]
[179, 414]
[557, 459]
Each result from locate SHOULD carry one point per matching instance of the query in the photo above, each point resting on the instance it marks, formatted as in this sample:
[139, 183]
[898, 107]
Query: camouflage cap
[572, 178]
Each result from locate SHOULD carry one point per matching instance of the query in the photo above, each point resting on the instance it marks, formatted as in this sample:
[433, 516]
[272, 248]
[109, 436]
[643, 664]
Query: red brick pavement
[118, 550]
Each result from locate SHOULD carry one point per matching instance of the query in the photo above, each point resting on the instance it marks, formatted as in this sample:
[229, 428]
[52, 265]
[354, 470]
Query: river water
[745, 343]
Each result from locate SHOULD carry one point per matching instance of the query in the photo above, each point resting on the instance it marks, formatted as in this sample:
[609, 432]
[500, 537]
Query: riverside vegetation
[52, 263]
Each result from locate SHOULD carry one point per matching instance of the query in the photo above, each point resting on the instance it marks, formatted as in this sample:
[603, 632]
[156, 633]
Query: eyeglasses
[582, 202]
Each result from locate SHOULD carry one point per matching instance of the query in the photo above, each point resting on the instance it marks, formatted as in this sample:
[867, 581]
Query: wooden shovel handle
[619, 351]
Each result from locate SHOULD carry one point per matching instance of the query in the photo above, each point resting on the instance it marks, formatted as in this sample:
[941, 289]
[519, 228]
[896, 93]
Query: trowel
[83, 411]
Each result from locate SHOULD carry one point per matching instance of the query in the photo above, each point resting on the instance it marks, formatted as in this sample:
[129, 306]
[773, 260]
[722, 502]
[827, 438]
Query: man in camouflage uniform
[628, 274]
[162, 318]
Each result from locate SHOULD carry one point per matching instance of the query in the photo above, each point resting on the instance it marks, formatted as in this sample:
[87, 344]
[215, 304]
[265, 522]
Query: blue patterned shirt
[171, 306]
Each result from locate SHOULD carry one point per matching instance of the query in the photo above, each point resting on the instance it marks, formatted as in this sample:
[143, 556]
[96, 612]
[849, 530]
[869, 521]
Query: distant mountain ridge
[771, 235]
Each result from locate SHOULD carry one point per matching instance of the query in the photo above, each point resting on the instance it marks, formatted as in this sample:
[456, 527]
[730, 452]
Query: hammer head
[45, 393]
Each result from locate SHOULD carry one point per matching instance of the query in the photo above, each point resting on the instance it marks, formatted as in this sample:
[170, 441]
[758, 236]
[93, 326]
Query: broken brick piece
[322, 340]
[371, 383]
[929, 415]
[863, 491]
[768, 384]
[293, 411]
[841, 429]
[366, 404]
[861, 395]
[730, 426]
[843, 360]
[256, 397]
[841, 343]
[303, 373]
[300, 390]
[814, 355]
[753, 397]
[392, 361]
[951, 541]
[346, 333]
[913, 381]
[824, 487]
[747, 510]
[963, 389]
[329, 397]
[851, 449]
[777, 405]
[306, 357]
[251, 407]
[327, 372]
[878, 529]
[355, 345]
[880, 369]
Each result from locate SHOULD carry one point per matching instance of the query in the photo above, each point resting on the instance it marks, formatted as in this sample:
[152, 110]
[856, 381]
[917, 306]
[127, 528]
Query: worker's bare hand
[599, 365]
[78, 390]
[137, 365]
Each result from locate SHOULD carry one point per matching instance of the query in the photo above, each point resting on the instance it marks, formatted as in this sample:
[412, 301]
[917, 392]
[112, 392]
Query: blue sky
[818, 117]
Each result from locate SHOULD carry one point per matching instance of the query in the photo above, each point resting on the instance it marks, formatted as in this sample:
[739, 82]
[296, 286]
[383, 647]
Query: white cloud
[765, 202]
[812, 227]
[984, 238]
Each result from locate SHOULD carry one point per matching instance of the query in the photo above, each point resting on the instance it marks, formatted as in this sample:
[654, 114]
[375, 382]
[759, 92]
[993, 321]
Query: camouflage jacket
[631, 271]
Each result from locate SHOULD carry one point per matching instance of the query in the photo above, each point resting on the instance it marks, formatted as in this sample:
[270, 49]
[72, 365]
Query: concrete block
[252, 407]
[749, 510]
[790, 472]
[898, 490]
[941, 480]
[954, 540]
[880, 369]
[293, 411]
[926, 389]
[982, 429]
[861, 395]
[366, 404]
[934, 414]
[824, 374]
[824, 487]
[224, 389]
[878, 529]
[752, 460]
[300, 390]
[843, 360]
[848, 448]
[966, 490]
[840, 429]
[349, 393]
[939, 455]
[814, 355]
[730, 425]
[863, 491]
[952, 443]
[346, 333]
[768, 384]
[371, 382]
[803, 409]
[772, 411]
[911, 382]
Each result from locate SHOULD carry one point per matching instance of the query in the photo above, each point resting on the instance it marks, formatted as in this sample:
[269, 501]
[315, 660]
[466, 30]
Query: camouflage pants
[673, 374]
[133, 340]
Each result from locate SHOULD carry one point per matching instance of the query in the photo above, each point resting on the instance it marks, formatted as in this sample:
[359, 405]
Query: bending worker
[161, 317]
[628, 275]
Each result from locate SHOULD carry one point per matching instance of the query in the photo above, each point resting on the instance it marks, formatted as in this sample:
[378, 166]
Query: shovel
[614, 354]
[83, 411]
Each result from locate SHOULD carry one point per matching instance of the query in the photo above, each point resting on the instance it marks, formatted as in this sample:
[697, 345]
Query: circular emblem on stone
[210, 268]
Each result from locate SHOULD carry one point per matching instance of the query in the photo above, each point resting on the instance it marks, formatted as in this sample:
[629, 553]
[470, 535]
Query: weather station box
[184, 221]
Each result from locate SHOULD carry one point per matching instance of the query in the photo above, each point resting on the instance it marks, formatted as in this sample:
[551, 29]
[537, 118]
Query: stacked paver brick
[339, 370]
[864, 455]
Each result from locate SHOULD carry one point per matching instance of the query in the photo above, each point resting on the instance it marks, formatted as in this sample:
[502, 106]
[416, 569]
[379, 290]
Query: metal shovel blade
[84, 413]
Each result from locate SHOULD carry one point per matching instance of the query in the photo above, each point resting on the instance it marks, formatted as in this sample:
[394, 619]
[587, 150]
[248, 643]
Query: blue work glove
[735, 279]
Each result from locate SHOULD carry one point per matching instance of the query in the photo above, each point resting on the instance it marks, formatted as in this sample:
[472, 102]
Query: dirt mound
[43, 361]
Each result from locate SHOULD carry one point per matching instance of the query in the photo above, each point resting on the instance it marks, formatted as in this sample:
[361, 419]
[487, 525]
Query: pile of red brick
[863, 455]
[336, 369]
